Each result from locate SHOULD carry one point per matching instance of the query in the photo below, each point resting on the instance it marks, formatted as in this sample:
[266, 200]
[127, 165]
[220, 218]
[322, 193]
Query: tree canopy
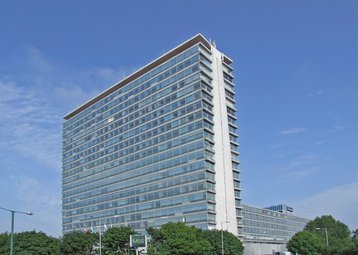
[116, 240]
[305, 243]
[333, 237]
[232, 244]
[30, 243]
[178, 239]
[4, 243]
[78, 243]
[338, 234]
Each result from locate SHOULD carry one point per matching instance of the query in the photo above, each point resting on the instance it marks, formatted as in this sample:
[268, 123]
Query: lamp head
[29, 213]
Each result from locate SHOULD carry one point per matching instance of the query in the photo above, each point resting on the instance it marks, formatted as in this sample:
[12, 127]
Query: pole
[100, 238]
[99, 233]
[12, 232]
[326, 232]
[222, 239]
[12, 226]
[222, 236]
[326, 237]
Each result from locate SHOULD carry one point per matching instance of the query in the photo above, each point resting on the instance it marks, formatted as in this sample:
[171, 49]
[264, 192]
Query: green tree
[350, 249]
[116, 240]
[30, 243]
[156, 239]
[355, 244]
[353, 249]
[78, 243]
[305, 243]
[178, 239]
[232, 244]
[338, 234]
[4, 243]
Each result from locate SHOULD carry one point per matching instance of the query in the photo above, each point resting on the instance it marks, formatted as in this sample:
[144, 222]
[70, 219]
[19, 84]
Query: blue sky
[296, 68]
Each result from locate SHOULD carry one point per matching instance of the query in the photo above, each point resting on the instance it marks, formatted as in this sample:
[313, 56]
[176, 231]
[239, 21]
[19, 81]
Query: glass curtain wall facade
[143, 152]
[268, 226]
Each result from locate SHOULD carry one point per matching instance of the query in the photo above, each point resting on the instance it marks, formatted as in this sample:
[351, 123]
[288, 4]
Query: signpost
[138, 242]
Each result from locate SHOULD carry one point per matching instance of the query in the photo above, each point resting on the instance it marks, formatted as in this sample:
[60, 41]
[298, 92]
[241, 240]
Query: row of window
[272, 214]
[158, 204]
[97, 196]
[153, 134]
[165, 126]
[107, 142]
[130, 89]
[231, 120]
[145, 198]
[269, 233]
[132, 103]
[294, 221]
[168, 136]
[143, 161]
[119, 134]
[157, 181]
[183, 159]
[127, 116]
[68, 142]
[182, 150]
[151, 217]
[260, 224]
[229, 92]
[134, 111]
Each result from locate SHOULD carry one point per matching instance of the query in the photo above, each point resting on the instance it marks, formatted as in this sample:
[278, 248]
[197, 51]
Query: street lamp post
[222, 236]
[325, 229]
[12, 225]
[100, 237]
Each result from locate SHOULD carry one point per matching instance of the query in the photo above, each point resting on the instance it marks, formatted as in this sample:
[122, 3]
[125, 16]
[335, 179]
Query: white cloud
[34, 193]
[72, 96]
[31, 134]
[28, 124]
[338, 128]
[340, 202]
[314, 93]
[37, 61]
[76, 88]
[300, 167]
[301, 173]
[292, 131]
[296, 165]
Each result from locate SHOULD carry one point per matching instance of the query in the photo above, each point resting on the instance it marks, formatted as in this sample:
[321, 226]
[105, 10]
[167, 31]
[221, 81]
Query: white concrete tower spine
[225, 198]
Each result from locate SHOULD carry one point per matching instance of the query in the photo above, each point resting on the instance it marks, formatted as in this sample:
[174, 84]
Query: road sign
[137, 241]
